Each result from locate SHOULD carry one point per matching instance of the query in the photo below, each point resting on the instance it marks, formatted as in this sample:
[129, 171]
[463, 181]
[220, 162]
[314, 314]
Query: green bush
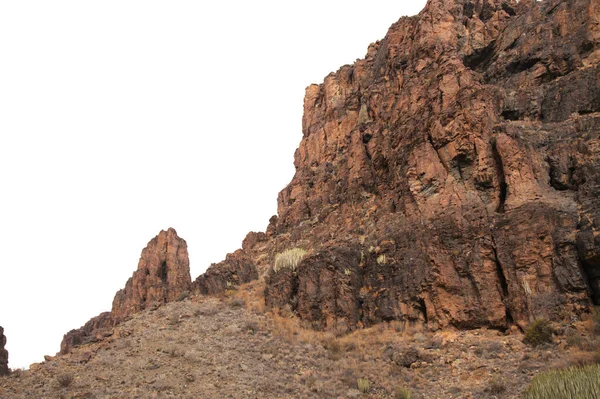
[571, 383]
[288, 259]
[539, 332]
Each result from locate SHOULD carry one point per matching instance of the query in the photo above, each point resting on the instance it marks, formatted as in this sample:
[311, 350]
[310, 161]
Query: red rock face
[3, 354]
[92, 331]
[163, 275]
[460, 163]
[237, 268]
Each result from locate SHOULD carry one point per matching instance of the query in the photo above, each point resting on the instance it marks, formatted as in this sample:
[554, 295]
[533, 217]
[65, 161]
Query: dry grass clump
[402, 393]
[496, 386]
[574, 382]
[288, 259]
[363, 385]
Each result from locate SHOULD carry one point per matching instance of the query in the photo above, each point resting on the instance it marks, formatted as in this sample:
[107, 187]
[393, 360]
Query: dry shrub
[496, 386]
[174, 351]
[402, 356]
[584, 358]
[251, 327]
[334, 348]
[538, 333]
[252, 294]
[65, 380]
[402, 393]
[208, 309]
[235, 303]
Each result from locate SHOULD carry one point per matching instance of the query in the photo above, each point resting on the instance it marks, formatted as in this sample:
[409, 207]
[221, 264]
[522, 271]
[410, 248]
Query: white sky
[122, 118]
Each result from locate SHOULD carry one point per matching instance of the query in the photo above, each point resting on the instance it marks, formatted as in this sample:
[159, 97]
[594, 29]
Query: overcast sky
[122, 118]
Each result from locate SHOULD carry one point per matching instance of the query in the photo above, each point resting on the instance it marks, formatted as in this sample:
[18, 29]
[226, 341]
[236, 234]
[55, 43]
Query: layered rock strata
[452, 177]
[4, 370]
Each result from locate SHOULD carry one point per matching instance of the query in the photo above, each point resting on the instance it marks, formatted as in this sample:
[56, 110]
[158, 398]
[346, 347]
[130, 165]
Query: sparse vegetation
[402, 393]
[65, 380]
[288, 259]
[183, 295]
[538, 333]
[363, 385]
[213, 342]
[574, 382]
[496, 386]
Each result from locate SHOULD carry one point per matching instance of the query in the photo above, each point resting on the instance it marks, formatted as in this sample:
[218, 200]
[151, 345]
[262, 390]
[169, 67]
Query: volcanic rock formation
[163, 275]
[3, 354]
[452, 177]
[236, 269]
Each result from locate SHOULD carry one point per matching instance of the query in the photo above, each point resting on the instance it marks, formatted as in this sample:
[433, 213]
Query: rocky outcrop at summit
[452, 177]
[4, 370]
[163, 275]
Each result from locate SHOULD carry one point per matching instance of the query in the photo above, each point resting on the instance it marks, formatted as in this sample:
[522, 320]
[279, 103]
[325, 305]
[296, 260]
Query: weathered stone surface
[90, 332]
[237, 268]
[461, 159]
[4, 370]
[163, 275]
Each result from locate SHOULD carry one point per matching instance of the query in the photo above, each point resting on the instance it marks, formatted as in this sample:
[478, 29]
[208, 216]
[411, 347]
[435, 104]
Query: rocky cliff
[163, 275]
[449, 178]
[452, 177]
[3, 354]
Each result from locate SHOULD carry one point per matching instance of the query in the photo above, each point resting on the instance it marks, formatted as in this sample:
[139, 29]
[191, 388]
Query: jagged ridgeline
[449, 178]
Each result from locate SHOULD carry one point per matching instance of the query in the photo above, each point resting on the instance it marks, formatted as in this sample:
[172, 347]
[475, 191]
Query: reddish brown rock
[461, 158]
[163, 275]
[92, 331]
[237, 268]
[4, 370]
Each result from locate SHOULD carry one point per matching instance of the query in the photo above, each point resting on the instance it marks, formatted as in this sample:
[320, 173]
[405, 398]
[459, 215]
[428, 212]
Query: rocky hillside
[448, 184]
[227, 347]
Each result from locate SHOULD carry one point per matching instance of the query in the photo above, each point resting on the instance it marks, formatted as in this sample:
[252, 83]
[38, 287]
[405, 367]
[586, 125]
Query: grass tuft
[288, 259]
[363, 385]
[573, 383]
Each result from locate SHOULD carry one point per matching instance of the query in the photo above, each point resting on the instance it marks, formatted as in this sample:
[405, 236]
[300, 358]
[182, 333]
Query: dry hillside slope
[216, 348]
